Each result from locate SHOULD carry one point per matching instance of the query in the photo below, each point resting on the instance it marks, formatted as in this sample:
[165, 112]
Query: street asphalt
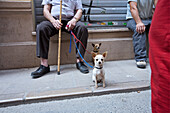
[133, 102]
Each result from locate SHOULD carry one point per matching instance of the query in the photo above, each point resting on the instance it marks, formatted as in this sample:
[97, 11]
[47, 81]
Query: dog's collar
[96, 51]
[98, 67]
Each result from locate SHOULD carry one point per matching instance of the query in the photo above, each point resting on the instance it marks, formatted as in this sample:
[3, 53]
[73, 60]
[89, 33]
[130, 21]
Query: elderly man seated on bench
[139, 15]
[47, 29]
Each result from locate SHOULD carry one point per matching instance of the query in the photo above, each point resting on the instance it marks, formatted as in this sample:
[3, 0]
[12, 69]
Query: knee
[83, 29]
[131, 25]
[40, 27]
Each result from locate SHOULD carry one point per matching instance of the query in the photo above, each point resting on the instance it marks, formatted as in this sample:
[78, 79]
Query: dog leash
[79, 41]
[74, 39]
[71, 33]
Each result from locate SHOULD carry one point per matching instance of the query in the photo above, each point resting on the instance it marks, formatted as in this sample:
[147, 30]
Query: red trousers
[159, 57]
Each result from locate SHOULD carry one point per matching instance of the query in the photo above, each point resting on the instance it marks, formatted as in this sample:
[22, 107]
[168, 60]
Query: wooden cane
[59, 40]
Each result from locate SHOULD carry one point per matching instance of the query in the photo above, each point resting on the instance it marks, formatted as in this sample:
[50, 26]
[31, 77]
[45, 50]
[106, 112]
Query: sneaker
[141, 64]
[42, 70]
[82, 67]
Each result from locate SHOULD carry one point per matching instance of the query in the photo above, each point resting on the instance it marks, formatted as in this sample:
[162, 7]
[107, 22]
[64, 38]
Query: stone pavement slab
[17, 86]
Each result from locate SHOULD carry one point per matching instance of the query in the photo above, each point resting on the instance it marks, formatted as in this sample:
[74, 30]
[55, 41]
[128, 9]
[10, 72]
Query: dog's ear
[100, 44]
[105, 54]
[93, 54]
[93, 44]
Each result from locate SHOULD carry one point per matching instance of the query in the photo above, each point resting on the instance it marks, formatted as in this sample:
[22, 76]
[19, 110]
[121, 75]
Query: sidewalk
[17, 86]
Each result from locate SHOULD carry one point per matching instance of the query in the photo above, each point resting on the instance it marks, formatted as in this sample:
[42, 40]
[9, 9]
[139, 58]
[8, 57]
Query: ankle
[44, 62]
[46, 65]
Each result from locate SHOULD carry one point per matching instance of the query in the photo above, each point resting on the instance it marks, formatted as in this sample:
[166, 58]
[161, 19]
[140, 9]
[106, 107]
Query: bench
[97, 14]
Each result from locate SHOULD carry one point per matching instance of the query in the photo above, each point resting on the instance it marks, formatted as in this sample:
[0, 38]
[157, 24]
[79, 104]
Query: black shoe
[42, 70]
[141, 64]
[83, 68]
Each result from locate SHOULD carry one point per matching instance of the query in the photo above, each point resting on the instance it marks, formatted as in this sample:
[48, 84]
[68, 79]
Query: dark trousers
[139, 39]
[45, 30]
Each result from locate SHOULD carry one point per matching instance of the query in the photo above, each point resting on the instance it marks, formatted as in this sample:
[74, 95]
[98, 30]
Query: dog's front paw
[96, 85]
[104, 86]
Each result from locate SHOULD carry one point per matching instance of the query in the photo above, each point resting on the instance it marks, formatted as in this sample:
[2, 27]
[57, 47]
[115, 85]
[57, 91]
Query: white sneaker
[141, 64]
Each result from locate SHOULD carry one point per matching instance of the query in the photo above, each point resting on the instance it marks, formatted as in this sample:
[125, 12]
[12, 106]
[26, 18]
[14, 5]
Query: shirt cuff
[132, 1]
[45, 2]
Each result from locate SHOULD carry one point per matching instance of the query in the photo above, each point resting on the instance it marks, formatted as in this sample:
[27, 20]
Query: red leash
[74, 39]
[80, 42]
[77, 40]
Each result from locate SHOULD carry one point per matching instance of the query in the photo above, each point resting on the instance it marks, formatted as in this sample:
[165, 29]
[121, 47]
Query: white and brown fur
[98, 71]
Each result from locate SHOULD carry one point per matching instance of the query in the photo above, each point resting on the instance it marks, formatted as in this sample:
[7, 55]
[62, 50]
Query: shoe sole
[85, 72]
[141, 66]
[38, 76]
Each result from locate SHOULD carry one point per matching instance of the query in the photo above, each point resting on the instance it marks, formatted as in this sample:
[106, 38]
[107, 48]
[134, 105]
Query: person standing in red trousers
[159, 57]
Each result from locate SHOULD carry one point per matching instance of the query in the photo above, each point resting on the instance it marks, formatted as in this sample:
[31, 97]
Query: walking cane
[59, 41]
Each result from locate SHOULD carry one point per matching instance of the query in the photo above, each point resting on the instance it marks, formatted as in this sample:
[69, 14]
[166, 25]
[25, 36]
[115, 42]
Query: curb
[35, 97]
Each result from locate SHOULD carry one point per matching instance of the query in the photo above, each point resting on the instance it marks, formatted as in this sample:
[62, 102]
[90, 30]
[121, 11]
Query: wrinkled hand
[57, 24]
[71, 24]
[140, 27]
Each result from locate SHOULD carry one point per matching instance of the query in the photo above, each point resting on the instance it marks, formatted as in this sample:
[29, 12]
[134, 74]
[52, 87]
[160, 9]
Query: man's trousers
[139, 39]
[45, 30]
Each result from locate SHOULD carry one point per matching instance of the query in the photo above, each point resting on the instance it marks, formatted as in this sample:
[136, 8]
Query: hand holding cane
[59, 41]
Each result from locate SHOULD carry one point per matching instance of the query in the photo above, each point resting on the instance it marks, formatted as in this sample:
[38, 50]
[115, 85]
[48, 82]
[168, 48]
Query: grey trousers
[45, 30]
[139, 39]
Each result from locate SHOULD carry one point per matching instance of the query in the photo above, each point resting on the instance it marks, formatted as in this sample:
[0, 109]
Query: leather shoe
[83, 68]
[42, 70]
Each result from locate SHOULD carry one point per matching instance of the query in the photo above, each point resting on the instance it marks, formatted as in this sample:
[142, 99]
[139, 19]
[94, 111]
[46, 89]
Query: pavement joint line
[25, 95]
[92, 88]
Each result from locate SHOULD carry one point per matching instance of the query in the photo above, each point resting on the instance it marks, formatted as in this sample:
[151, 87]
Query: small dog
[96, 48]
[98, 71]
